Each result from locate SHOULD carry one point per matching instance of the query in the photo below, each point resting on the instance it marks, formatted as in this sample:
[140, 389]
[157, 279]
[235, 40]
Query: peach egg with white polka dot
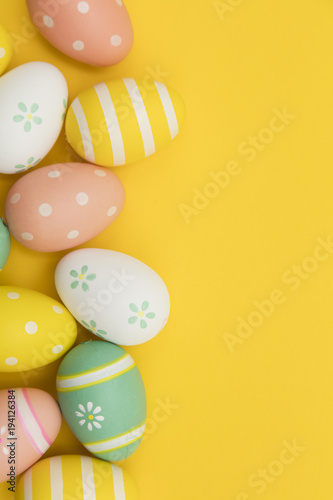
[63, 205]
[37, 329]
[95, 32]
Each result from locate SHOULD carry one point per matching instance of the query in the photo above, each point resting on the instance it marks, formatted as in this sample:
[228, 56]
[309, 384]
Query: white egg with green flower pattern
[33, 101]
[113, 295]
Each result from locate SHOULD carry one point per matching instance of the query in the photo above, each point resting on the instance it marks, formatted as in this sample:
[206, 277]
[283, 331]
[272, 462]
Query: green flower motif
[64, 102]
[93, 328]
[30, 163]
[82, 277]
[140, 314]
[28, 116]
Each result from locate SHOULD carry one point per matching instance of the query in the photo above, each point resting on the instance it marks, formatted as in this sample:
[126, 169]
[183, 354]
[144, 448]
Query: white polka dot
[116, 40]
[100, 173]
[53, 174]
[119, 2]
[45, 209]
[11, 361]
[78, 45]
[27, 236]
[31, 327]
[73, 234]
[83, 7]
[112, 211]
[82, 198]
[57, 309]
[2, 52]
[15, 198]
[48, 21]
[58, 348]
[13, 295]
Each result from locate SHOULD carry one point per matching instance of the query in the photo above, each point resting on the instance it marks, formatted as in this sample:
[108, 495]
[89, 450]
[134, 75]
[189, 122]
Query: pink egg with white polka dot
[96, 32]
[63, 205]
[30, 420]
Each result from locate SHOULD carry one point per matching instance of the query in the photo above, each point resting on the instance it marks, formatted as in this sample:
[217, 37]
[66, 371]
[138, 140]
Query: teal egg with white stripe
[123, 121]
[103, 399]
[4, 243]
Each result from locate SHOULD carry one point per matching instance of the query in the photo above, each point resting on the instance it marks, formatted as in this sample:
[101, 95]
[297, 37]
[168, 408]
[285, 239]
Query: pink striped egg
[30, 420]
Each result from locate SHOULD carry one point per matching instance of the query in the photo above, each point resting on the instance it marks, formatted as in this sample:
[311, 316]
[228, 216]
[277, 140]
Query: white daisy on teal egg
[90, 416]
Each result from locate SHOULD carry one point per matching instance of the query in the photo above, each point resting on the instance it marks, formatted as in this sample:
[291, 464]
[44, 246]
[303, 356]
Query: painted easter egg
[103, 399]
[113, 295]
[64, 205]
[30, 420]
[33, 101]
[37, 329]
[123, 121]
[4, 243]
[76, 477]
[6, 50]
[96, 32]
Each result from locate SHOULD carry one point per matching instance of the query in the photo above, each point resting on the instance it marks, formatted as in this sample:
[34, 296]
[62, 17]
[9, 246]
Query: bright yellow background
[232, 412]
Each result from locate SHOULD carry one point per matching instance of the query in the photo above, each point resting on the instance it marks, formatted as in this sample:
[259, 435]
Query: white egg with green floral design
[33, 102]
[113, 295]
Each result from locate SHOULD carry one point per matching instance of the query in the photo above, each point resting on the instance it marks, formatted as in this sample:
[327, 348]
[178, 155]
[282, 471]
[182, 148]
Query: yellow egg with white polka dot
[35, 329]
[123, 121]
[6, 50]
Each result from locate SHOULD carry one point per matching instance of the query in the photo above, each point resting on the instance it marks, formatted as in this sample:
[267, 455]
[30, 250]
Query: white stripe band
[35, 432]
[97, 375]
[111, 444]
[141, 115]
[88, 480]
[84, 130]
[28, 485]
[118, 483]
[57, 488]
[112, 123]
[168, 108]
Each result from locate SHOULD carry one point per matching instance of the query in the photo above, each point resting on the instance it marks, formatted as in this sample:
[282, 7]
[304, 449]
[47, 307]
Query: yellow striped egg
[5, 493]
[123, 121]
[75, 477]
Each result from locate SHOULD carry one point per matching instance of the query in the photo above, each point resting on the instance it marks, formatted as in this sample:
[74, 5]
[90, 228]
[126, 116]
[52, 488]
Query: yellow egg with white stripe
[123, 121]
[76, 477]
